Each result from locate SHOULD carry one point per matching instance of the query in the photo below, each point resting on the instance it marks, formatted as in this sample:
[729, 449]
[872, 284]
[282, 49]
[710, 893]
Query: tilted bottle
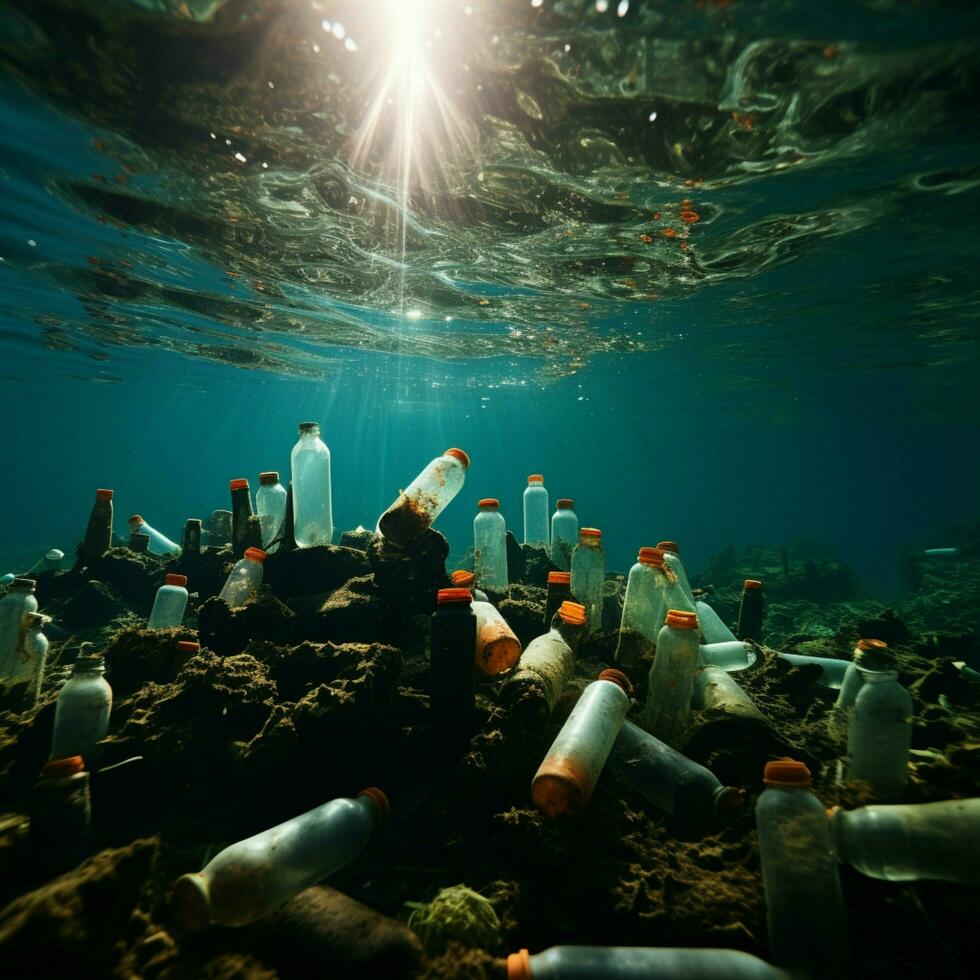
[312, 489]
[750, 611]
[14, 606]
[31, 659]
[536, 512]
[464, 579]
[564, 534]
[159, 544]
[169, 604]
[559, 591]
[672, 559]
[716, 690]
[644, 606]
[425, 498]
[832, 671]
[589, 575]
[258, 875]
[713, 628]
[81, 714]
[870, 654]
[672, 675]
[270, 502]
[244, 579]
[497, 646]
[98, 531]
[452, 695]
[732, 655]
[490, 546]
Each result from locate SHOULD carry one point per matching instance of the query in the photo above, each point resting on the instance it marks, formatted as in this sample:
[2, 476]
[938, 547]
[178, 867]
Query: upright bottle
[462, 579]
[536, 512]
[255, 876]
[159, 543]
[169, 604]
[644, 607]
[14, 606]
[244, 579]
[564, 534]
[61, 814]
[31, 658]
[868, 654]
[270, 502]
[312, 494]
[750, 611]
[589, 575]
[672, 675]
[672, 559]
[98, 532]
[559, 591]
[191, 541]
[804, 907]
[497, 645]
[452, 668]
[425, 498]
[713, 628]
[81, 714]
[879, 735]
[490, 546]
[241, 511]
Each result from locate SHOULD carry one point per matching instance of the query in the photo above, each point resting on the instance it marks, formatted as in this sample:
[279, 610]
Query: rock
[410, 577]
[307, 571]
[217, 527]
[136, 657]
[93, 605]
[358, 539]
[228, 631]
[206, 570]
[134, 577]
[524, 611]
[537, 564]
[350, 615]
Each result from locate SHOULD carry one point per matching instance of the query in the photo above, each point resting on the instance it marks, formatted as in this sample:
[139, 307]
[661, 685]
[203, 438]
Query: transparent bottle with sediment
[566, 778]
[713, 628]
[564, 534]
[715, 690]
[98, 531]
[170, 603]
[733, 655]
[270, 503]
[750, 611]
[497, 646]
[832, 671]
[31, 659]
[425, 498]
[490, 546]
[644, 607]
[463, 579]
[309, 465]
[672, 559]
[81, 714]
[452, 695]
[671, 683]
[537, 524]
[159, 544]
[869, 654]
[244, 579]
[589, 575]
[241, 511]
[14, 606]
[559, 591]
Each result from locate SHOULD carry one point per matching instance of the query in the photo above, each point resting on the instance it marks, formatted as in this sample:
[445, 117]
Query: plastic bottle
[14, 606]
[870, 654]
[81, 715]
[255, 876]
[60, 813]
[833, 671]
[644, 606]
[270, 502]
[312, 494]
[565, 780]
[716, 690]
[911, 841]
[31, 657]
[804, 907]
[879, 735]
[589, 575]
[672, 675]
[750, 611]
[425, 498]
[497, 646]
[452, 667]
[639, 963]
[159, 544]
[490, 546]
[546, 666]
[559, 591]
[732, 655]
[564, 534]
[98, 531]
[191, 541]
[244, 579]
[672, 559]
[52, 558]
[713, 629]
[241, 511]
[464, 579]
[536, 519]
[169, 604]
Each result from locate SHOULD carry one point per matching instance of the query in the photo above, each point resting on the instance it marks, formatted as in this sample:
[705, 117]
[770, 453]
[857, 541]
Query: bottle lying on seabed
[497, 646]
[716, 690]
[832, 671]
[732, 655]
[159, 544]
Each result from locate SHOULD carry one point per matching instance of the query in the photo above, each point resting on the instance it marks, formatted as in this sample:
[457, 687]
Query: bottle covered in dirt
[14, 606]
[672, 559]
[60, 814]
[750, 611]
[566, 778]
[911, 841]
[98, 531]
[564, 534]
[490, 546]
[589, 575]
[191, 540]
[497, 646]
[463, 579]
[425, 498]
[31, 659]
[270, 502]
[804, 907]
[879, 735]
[559, 591]
[452, 666]
[169, 604]
[869, 654]
[832, 670]
[537, 521]
[733, 655]
[713, 628]
[715, 690]
[671, 682]
[312, 489]
[255, 876]
[241, 511]
[244, 579]
[546, 666]
[159, 544]
[644, 606]
[81, 714]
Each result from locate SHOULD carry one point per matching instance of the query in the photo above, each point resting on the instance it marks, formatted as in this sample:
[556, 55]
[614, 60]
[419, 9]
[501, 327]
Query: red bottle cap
[565, 503]
[559, 578]
[136, 519]
[681, 619]
[453, 595]
[786, 772]
[519, 965]
[381, 799]
[617, 677]
[590, 532]
[535, 478]
[752, 583]
[269, 478]
[669, 546]
[103, 495]
[238, 484]
[572, 613]
[172, 579]
[59, 768]
[871, 645]
[651, 556]
[489, 502]
[460, 455]
[188, 646]
[255, 554]
[463, 578]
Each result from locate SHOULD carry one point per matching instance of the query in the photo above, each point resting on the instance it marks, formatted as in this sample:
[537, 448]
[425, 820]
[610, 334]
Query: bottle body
[31, 659]
[81, 715]
[716, 690]
[833, 671]
[241, 511]
[588, 567]
[497, 646]
[270, 502]
[644, 610]
[536, 516]
[671, 682]
[244, 579]
[60, 815]
[713, 628]
[159, 544]
[750, 611]
[98, 531]
[564, 537]
[732, 655]
[425, 498]
[544, 669]
[14, 606]
[168, 607]
[559, 591]
[451, 656]
[879, 735]
[674, 563]
[312, 489]
[490, 549]
[191, 541]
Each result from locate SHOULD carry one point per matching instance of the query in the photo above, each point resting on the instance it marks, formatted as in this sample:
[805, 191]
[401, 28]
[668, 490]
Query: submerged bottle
[566, 779]
[497, 646]
[241, 511]
[257, 875]
[589, 575]
[31, 659]
[559, 591]
[98, 531]
[191, 541]
[169, 604]
[672, 675]
[425, 498]
[832, 671]
[644, 606]
[464, 579]
[716, 690]
[270, 502]
[911, 841]
[564, 534]
[14, 606]
[81, 714]
[804, 906]
[536, 519]
[244, 579]
[672, 559]
[159, 544]
[750, 611]
[490, 546]
[713, 628]
[452, 670]
[52, 558]
[60, 814]
[312, 493]
[870, 654]
[732, 655]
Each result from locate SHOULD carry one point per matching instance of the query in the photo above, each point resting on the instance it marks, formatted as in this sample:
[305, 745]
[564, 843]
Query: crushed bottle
[497, 645]
[270, 502]
[588, 569]
[671, 682]
[750, 611]
[312, 489]
[536, 513]
[98, 531]
[244, 579]
[169, 604]
[81, 714]
[564, 534]
[490, 546]
[159, 544]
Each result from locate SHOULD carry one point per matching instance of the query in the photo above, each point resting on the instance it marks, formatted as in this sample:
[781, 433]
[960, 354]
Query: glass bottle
[159, 544]
[81, 714]
[559, 591]
[98, 531]
[312, 493]
[672, 559]
[497, 645]
[270, 502]
[536, 519]
[490, 546]
[452, 668]
[589, 575]
[713, 628]
[750, 611]
[564, 534]
[244, 579]
[14, 606]
[672, 675]
[169, 604]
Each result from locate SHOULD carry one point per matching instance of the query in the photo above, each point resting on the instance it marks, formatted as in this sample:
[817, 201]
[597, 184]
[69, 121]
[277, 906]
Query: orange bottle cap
[381, 800]
[136, 519]
[786, 772]
[753, 583]
[519, 965]
[669, 546]
[617, 677]
[103, 494]
[681, 619]
[59, 768]
[871, 645]
[453, 595]
[489, 502]
[239, 484]
[590, 532]
[460, 455]
[171, 579]
[269, 477]
[651, 556]
[463, 578]
[255, 554]
[535, 478]
[559, 578]
[565, 503]
[188, 646]
[572, 613]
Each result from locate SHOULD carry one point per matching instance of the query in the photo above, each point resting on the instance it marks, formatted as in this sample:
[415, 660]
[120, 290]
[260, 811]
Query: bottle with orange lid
[425, 498]
[170, 603]
[81, 714]
[159, 544]
[270, 502]
[713, 627]
[490, 546]
[804, 906]
[312, 489]
[750, 611]
[644, 607]
[869, 654]
[547, 665]
[244, 578]
[497, 645]
[589, 575]
[672, 559]
[566, 778]
[241, 511]
[564, 534]
[464, 579]
[559, 591]
[452, 691]
[98, 531]
[255, 876]
[60, 814]
[672, 675]
[536, 513]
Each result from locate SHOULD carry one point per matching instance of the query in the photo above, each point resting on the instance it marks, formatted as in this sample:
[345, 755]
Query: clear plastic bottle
[672, 675]
[879, 735]
[713, 628]
[14, 606]
[270, 502]
[870, 654]
[312, 493]
[244, 579]
[81, 715]
[490, 546]
[98, 531]
[833, 670]
[732, 655]
[644, 606]
[169, 604]
[564, 534]
[716, 690]
[672, 559]
[559, 591]
[497, 645]
[536, 511]
[464, 579]
[31, 659]
[565, 780]
[159, 544]
[750, 611]
[589, 575]
[804, 906]
[911, 841]
[52, 558]
[425, 498]
[258, 875]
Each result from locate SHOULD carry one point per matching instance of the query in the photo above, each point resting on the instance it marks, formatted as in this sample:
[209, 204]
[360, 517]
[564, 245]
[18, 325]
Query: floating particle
[653, 116]
[690, 217]
[646, 239]
[655, 216]
[668, 233]
[240, 158]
